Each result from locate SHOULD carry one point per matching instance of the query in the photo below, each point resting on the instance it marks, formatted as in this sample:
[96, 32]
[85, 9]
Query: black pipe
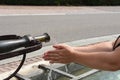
[25, 41]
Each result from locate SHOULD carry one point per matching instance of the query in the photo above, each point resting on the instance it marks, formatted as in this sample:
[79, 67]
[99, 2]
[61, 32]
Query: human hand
[61, 54]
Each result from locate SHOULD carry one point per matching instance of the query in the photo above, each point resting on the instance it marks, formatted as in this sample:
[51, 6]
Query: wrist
[75, 55]
[76, 48]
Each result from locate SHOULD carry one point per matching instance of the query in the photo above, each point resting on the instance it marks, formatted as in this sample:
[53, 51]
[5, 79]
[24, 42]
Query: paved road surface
[62, 28]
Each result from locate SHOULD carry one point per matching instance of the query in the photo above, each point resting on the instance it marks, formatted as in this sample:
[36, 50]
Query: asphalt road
[62, 28]
[109, 8]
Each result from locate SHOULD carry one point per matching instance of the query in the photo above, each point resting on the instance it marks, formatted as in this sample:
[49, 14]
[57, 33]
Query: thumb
[60, 46]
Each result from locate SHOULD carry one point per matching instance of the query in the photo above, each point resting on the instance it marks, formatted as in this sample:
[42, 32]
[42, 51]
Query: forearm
[103, 46]
[97, 60]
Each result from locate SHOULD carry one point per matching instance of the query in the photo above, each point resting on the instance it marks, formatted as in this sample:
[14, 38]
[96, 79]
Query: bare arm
[101, 56]
[99, 60]
[101, 46]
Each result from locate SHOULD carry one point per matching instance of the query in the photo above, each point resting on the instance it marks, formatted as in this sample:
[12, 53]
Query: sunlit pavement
[54, 10]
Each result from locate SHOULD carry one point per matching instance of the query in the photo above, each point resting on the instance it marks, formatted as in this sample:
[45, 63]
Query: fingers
[58, 55]
[53, 58]
[60, 46]
[60, 61]
[57, 46]
[52, 55]
[63, 61]
[56, 58]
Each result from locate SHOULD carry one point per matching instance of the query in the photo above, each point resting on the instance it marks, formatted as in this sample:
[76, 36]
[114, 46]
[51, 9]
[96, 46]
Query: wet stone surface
[104, 75]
